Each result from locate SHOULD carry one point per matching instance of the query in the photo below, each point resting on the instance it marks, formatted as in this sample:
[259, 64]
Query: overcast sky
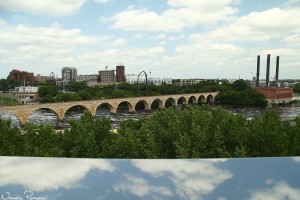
[172, 38]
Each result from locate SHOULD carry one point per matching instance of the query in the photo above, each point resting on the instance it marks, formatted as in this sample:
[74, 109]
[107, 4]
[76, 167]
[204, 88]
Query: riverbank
[7, 101]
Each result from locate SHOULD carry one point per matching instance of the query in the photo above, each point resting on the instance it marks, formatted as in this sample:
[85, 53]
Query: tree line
[80, 91]
[195, 132]
[239, 93]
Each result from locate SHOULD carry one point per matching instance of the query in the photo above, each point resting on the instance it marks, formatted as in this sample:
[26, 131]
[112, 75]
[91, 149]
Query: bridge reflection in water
[64, 110]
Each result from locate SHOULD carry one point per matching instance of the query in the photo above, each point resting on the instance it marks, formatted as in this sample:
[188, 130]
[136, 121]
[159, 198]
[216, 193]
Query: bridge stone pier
[22, 112]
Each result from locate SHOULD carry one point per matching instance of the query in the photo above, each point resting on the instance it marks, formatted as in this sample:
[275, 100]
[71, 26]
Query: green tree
[296, 88]
[7, 84]
[66, 96]
[76, 86]
[240, 85]
[49, 90]
[84, 95]
[86, 137]
[11, 140]
[47, 93]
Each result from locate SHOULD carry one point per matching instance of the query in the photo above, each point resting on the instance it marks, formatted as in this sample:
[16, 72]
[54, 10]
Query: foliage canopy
[195, 132]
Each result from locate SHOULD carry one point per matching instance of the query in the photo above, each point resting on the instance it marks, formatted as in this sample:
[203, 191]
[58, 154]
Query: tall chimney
[268, 71]
[257, 71]
[277, 68]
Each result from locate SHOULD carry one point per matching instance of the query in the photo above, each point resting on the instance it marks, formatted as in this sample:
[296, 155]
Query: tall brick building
[22, 76]
[120, 74]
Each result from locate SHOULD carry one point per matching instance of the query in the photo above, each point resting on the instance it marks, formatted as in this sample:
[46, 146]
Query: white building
[188, 81]
[26, 94]
[90, 79]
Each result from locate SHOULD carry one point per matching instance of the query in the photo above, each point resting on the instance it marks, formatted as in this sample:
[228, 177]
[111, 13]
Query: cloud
[54, 8]
[44, 50]
[119, 42]
[44, 36]
[140, 187]
[293, 3]
[180, 16]
[134, 20]
[203, 5]
[192, 179]
[234, 47]
[296, 159]
[102, 1]
[23, 45]
[280, 190]
[48, 173]
[261, 26]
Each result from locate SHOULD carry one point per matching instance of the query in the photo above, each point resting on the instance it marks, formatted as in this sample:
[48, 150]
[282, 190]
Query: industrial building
[273, 91]
[120, 74]
[107, 76]
[91, 80]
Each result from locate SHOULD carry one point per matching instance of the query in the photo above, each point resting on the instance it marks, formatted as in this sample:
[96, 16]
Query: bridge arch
[141, 103]
[192, 100]
[77, 107]
[201, 99]
[14, 117]
[157, 103]
[125, 104]
[209, 98]
[45, 114]
[104, 107]
[181, 100]
[170, 102]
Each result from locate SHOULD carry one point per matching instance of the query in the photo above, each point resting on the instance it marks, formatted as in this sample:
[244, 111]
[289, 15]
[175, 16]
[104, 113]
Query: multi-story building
[26, 94]
[90, 79]
[69, 74]
[187, 81]
[22, 76]
[42, 79]
[120, 74]
[107, 76]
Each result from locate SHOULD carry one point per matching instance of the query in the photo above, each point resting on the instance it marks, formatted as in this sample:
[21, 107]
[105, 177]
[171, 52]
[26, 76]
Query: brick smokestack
[268, 71]
[277, 68]
[257, 71]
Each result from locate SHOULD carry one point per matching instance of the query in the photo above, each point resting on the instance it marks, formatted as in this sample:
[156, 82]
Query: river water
[40, 117]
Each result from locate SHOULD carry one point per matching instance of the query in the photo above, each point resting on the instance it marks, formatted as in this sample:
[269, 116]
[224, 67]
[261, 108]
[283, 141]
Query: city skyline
[172, 38]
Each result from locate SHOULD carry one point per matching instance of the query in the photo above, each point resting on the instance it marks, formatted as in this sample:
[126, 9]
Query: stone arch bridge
[22, 112]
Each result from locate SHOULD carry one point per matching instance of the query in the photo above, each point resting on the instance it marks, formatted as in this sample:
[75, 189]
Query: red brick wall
[21, 75]
[276, 93]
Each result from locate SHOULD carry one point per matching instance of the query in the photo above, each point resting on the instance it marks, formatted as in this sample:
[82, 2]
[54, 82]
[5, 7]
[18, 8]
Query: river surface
[40, 117]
